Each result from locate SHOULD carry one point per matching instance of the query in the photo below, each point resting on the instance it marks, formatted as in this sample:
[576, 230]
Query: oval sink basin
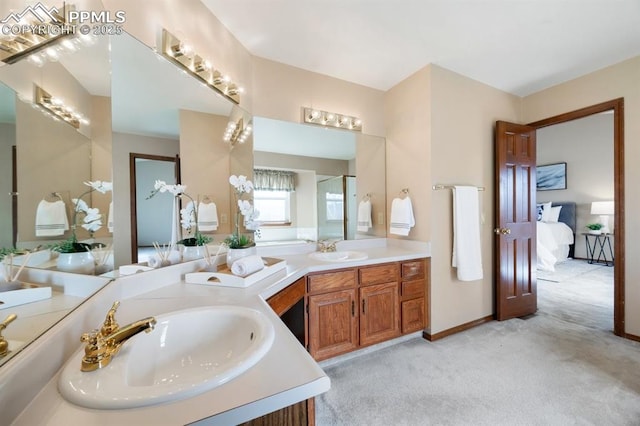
[338, 256]
[189, 352]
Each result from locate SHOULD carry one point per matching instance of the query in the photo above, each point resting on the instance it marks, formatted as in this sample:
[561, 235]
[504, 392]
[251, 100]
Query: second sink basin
[338, 256]
[189, 352]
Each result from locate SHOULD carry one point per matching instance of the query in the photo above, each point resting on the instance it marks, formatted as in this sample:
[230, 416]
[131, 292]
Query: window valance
[274, 180]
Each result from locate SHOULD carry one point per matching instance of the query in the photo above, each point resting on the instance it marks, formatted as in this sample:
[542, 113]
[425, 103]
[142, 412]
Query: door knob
[502, 231]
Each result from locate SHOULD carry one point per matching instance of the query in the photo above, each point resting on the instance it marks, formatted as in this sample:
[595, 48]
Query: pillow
[554, 214]
[543, 211]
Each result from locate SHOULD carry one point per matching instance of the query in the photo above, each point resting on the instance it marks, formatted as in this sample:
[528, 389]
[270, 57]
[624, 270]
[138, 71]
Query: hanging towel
[402, 219]
[207, 217]
[110, 218]
[364, 216]
[51, 218]
[467, 256]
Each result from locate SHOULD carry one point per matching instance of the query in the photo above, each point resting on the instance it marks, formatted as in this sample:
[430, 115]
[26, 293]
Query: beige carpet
[553, 368]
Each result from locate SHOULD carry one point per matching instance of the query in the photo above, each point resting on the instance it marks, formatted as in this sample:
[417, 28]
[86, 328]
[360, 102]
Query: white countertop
[285, 375]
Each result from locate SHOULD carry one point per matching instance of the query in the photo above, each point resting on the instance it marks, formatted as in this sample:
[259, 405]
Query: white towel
[402, 219]
[467, 255]
[207, 217]
[173, 258]
[51, 218]
[364, 216]
[110, 218]
[247, 265]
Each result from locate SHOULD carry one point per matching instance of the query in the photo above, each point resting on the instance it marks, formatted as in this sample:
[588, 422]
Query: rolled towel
[175, 257]
[154, 261]
[247, 265]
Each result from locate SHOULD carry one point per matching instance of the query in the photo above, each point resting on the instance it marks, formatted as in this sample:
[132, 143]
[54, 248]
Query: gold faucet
[105, 343]
[4, 345]
[325, 246]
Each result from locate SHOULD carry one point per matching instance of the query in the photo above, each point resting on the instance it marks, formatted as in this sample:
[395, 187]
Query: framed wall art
[551, 176]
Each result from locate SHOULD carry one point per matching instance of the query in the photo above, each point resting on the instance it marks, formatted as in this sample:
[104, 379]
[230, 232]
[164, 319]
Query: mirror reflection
[166, 126]
[45, 162]
[339, 183]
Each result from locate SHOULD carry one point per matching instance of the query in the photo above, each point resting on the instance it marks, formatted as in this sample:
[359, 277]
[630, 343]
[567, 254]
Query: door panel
[515, 220]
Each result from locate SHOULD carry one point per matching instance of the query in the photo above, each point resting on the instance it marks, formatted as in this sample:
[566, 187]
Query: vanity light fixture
[182, 54]
[331, 119]
[57, 108]
[35, 30]
[236, 132]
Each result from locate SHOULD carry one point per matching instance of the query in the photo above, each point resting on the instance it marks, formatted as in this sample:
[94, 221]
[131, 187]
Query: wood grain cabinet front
[333, 323]
[413, 295]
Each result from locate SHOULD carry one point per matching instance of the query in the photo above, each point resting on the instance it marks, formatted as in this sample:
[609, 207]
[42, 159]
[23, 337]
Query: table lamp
[604, 209]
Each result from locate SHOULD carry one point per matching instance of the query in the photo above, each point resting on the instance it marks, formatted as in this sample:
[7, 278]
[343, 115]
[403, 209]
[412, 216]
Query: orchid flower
[100, 186]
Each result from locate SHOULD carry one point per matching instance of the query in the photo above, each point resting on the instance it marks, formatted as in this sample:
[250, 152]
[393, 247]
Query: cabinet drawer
[331, 281]
[413, 270]
[379, 274]
[410, 289]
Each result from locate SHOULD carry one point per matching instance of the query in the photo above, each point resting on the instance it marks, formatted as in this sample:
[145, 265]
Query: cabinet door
[333, 324]
[413, 314]
[379, 313]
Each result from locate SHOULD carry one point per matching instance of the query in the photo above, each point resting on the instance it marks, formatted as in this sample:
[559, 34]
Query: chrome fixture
[35, 31]
[236, 132]
[4, 344]
[105, 343]
[57, 108]
[331, 119]
[182, 54]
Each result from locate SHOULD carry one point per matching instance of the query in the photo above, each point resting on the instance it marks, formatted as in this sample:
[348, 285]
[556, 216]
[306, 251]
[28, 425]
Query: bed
[555, 234]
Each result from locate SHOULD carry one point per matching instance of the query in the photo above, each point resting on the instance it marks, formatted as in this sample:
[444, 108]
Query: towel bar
[438, 187]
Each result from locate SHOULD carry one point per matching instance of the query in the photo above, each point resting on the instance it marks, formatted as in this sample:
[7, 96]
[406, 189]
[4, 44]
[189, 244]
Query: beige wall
[586, 145]
[101, 154]
[281, 91]
[123, 145]
[52, 157]
[208, 160]
[463, 116]
[620, 80]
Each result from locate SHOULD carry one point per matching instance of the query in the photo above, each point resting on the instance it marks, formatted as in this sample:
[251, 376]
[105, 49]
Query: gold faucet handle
[110, 324]
[4, 345]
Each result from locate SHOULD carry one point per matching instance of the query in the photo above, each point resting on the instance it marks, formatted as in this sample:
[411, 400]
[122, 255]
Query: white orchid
[81, 205]
[188, 216]
[101, 186]
[241, 184]
[162, 186]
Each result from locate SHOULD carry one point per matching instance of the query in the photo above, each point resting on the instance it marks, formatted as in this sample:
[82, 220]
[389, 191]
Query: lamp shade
[602, 207]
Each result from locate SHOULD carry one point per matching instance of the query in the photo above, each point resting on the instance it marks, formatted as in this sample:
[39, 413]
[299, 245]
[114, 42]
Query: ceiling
[519, 46]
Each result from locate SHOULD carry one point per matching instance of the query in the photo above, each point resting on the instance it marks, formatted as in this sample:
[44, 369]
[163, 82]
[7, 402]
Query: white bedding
[552, 244]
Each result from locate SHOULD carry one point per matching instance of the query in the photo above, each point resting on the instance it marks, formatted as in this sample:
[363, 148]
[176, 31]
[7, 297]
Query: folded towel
[364, 216]
[51, 218]
[110, 218]
[467, 255]
[247, 265]
[207, 217]
[402, 219]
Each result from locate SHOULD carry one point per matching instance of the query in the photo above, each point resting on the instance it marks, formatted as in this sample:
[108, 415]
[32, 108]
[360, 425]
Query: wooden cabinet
[380, 313]
[413, 301]
[333, 323]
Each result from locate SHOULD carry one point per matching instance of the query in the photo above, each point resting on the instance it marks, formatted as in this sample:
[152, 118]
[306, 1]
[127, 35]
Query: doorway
[617, 107]
[151, 220]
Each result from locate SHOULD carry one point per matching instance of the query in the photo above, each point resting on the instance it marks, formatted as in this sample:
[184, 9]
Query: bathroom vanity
[287, 377]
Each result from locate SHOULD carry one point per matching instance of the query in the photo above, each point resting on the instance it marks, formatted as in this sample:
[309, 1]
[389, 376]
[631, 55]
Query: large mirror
[339, 182]
[166, 126]
[45, 162]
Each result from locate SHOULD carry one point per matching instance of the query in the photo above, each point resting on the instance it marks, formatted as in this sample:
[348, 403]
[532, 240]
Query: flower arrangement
[246, 210]
[188, 215]
[92, 220]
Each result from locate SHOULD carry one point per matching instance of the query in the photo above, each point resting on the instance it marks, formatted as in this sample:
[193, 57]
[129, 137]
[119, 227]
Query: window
[274, 206]
[335, 206]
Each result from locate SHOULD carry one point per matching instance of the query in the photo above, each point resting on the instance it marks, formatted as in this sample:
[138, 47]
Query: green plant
[595, 226]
